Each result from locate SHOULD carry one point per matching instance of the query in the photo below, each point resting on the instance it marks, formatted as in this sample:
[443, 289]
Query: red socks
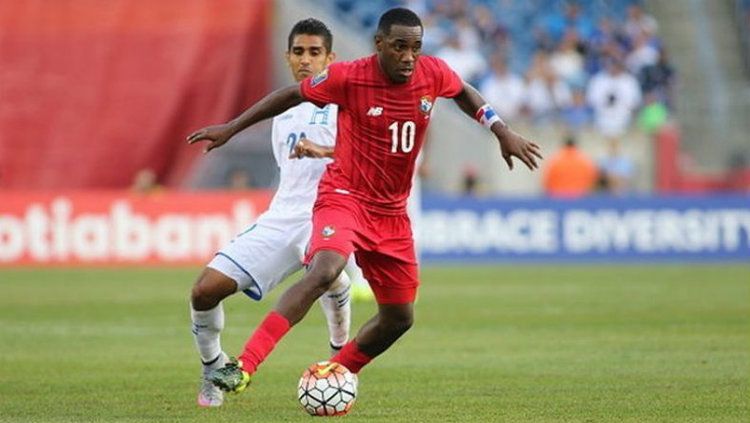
[264, 339]
[270, 332]
[351, 357]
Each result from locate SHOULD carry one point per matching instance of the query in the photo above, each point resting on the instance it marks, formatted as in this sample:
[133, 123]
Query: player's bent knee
[203, 298]
[324, 270]
[210, 289]
[321, 280]
[200, 297]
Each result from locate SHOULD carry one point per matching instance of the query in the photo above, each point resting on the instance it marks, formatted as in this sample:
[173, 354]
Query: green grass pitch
[507, 343]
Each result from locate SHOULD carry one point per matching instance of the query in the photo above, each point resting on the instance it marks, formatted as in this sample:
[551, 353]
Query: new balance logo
[375, 111]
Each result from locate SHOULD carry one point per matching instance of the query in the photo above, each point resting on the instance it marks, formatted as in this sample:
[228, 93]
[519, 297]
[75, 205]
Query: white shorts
[265, 254]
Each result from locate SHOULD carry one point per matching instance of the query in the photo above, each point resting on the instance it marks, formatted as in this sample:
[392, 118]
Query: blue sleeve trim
[247, 292]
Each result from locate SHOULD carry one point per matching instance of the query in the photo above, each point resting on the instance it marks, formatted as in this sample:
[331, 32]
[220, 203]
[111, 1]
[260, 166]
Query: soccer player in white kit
[267, 252]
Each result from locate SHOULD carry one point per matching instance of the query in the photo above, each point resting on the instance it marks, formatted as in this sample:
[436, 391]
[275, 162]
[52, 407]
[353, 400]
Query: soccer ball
[327, 389]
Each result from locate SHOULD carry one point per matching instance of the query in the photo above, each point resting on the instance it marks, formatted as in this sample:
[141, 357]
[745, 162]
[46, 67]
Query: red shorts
[382, 245]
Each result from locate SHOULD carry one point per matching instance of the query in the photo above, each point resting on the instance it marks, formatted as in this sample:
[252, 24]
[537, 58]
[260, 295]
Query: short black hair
[311, 26]
[398, 16]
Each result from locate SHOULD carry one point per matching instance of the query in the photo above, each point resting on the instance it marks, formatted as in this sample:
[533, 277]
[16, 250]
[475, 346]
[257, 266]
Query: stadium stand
[556, 42]
[535, 60]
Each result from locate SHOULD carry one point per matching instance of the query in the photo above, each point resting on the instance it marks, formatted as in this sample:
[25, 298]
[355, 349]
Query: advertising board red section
[672, 176]
[93, 91]
[120, 228]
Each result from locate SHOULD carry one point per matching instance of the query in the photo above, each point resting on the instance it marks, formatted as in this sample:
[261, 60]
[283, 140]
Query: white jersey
[298, 178]
[266, 253]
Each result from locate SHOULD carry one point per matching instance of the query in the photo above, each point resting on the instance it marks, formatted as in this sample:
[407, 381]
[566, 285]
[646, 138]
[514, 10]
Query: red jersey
[381, 126]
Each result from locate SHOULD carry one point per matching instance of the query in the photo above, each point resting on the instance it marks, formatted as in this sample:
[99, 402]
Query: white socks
[207, 326]
[337, 308]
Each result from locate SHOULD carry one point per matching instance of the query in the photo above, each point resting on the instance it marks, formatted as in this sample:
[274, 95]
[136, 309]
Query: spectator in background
[546, 94]
[617, 170]
[569, 173]
[145, 182]
[639, 22]
[606, 41]
[659, 79]
[239, 179]
[556, 24]
[455, 9]
[469, 181]
[567, 62]
[653, 114]
[544, 41]
[491, 32]
[504, 90]
[469, 64]
[577, 115]
[643, 54]
[614, 94]
[604, 33]
[418, 6]
[434, 34]
[468, 35]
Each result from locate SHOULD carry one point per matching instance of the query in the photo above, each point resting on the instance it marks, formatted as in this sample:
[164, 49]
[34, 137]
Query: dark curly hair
[312, 26]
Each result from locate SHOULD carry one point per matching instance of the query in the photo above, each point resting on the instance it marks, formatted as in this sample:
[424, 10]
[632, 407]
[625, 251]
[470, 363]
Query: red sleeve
[325, 87]
[449, 84]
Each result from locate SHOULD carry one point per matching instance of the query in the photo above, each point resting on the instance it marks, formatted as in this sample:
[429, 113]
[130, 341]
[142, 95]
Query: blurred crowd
[595, 64]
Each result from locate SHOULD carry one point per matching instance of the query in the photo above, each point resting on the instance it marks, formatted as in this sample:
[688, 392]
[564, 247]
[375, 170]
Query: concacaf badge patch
[328, 231]
[425, 104]
[317, 79]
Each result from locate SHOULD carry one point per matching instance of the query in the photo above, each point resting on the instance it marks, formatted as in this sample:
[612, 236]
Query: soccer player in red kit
[385, 105]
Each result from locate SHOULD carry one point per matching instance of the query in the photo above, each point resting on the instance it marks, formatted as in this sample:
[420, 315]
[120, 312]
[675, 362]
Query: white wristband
[486, 116]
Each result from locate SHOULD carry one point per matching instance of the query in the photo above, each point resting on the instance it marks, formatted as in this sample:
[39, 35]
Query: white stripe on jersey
[298, 179]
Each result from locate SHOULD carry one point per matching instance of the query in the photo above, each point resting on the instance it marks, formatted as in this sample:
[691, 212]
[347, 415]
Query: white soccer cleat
[209, 395]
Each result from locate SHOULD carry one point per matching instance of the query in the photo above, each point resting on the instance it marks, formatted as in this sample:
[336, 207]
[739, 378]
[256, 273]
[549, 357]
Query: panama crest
[328, 231]
[425, 104]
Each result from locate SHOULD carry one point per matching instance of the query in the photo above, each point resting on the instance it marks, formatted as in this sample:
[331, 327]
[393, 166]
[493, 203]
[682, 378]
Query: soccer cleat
[209, 395]
[230, 378]
[362, 293]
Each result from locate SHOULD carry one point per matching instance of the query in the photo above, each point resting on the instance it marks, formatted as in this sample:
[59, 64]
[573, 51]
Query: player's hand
[514, 145]
[218, 135]
[307, 148]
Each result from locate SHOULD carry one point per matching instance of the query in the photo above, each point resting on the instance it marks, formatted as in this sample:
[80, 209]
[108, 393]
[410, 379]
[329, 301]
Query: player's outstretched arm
[511, 143]
[271, 105]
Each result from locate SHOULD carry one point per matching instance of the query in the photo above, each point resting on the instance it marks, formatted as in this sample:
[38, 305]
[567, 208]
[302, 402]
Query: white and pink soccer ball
[327, 389]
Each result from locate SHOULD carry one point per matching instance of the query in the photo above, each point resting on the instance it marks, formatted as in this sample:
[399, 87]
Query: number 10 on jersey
[405, 135]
